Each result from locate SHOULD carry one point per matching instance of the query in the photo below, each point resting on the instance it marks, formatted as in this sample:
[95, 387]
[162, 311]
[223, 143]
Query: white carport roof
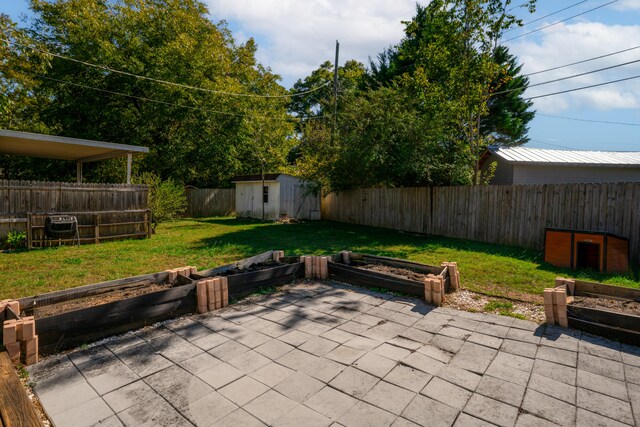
[63, 148]
[60, 147]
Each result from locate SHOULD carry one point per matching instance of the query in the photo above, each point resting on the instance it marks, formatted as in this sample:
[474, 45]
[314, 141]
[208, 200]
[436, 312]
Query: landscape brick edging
[556, 300]
[18, 334]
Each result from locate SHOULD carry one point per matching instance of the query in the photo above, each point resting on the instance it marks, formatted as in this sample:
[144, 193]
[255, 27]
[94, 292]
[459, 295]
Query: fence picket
[496, 214]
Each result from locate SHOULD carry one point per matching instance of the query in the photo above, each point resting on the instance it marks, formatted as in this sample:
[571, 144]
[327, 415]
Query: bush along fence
[610, 311]
[68, 318]
[506, 214]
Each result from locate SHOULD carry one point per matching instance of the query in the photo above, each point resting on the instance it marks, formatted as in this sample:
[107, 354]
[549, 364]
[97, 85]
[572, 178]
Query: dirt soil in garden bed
[403, 273]
[95, 300]
[252, 268]
[474, 302]
[622, 306]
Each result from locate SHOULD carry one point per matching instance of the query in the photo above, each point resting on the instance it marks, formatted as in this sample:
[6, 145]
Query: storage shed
[279, 195]
[528, 166]
[599, 251]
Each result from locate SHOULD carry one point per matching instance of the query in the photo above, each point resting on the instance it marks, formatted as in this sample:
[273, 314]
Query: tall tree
[196, 136]
[508, 115]
[451, 57]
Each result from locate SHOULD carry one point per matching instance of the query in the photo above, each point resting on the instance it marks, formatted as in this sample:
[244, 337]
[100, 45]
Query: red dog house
[599, 251]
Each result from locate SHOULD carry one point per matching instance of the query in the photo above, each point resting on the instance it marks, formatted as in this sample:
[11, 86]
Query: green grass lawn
[492, 269]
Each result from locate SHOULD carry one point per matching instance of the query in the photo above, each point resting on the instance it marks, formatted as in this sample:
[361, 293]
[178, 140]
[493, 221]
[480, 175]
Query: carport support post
[78, 172]
[129, 160]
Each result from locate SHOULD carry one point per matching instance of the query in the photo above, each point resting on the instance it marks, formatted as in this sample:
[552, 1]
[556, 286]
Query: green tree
[451, 59]
[195, 136]
[506, 122]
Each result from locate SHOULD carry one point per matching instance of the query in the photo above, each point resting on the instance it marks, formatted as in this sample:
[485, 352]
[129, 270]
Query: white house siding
[249, 200]
[295, 201]
[551, 174]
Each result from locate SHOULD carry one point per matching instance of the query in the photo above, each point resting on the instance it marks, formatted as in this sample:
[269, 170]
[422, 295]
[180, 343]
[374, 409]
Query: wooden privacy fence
[104, 211]
[202, 202]
[507, 214]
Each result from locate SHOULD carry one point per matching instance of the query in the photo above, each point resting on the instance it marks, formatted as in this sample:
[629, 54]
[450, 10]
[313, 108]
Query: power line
[546, 16]
[548, 143]
[567, 77]
[585, 73]
[142, 98]
[560, 22]
[113, 70]
[582, 88]
[583, 61]
[589, 120]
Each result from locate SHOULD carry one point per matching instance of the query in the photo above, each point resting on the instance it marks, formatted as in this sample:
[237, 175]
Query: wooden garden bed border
[73, 328]
[16, 409]
[338, 270]
[598, 321]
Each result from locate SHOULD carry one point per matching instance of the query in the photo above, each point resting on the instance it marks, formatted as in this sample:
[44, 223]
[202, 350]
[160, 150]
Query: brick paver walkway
[320, 355]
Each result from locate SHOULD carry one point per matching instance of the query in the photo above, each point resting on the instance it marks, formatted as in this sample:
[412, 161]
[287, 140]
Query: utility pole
[335, 94]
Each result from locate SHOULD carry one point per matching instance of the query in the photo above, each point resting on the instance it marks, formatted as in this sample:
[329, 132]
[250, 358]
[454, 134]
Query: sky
[295, 36]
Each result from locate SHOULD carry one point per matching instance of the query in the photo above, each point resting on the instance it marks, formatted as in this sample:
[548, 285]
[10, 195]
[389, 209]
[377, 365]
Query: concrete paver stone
[270, 406]
[362, 358]
[243, 390]
[446, 392]
[425, 411]
[271, 374]
[408, 377]
[299, 387]
[354, 382]
[364, 414]
[331, 402]
[501, 390]
[491, 410]
[389, 397]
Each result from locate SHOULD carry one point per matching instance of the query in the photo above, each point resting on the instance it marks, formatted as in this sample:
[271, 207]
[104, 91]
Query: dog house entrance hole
[589, 255]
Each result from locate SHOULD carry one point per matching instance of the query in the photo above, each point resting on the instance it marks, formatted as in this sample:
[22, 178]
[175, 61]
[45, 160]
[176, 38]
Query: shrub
[16, 239]
[166, 198]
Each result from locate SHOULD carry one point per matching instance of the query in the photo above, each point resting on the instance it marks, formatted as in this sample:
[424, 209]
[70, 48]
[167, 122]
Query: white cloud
[563, 44]
[296, 36]
[627, 5]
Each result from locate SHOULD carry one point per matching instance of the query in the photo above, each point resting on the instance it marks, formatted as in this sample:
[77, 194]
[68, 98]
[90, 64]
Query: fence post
[96, 228]
[29, 235]
[147, 222]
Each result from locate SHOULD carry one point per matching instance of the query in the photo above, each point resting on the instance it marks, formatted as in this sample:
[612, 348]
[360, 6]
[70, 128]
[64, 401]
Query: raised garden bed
[261, 271]
[610, 311]
[68, 318]
[72, 317]
[397, 275]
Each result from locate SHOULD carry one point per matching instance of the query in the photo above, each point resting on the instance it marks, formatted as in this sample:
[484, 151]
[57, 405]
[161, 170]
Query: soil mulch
[95, 300]
[622, 306]
[252, 268]
[403, 273]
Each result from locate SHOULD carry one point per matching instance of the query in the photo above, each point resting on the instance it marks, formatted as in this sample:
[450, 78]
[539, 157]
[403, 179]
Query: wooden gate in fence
[104, 211]
[507, 214]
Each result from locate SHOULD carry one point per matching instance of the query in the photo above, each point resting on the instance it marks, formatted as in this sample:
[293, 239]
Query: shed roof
[539, 156]
[257, 178]
[61, 147]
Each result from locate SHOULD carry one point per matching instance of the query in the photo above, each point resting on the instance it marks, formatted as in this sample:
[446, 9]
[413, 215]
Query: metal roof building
[520, 165]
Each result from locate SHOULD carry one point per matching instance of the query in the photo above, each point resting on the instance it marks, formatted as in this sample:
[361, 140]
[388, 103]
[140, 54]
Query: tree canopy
[426, 108]
[162, 74]
[198, 136]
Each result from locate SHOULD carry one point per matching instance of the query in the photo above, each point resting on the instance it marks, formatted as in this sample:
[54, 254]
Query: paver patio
[317, 355]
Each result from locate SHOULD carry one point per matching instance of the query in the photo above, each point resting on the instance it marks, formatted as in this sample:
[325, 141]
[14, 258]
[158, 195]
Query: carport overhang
[63, 148]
